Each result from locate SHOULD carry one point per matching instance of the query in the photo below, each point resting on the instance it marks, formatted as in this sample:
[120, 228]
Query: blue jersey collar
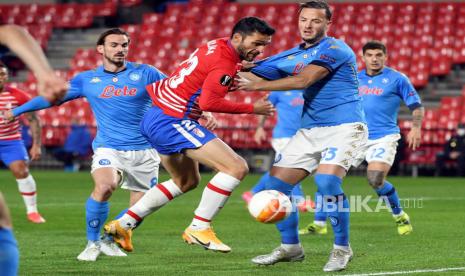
[128, 65]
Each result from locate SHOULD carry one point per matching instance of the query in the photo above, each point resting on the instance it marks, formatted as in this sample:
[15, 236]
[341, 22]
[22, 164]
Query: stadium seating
[424, 40]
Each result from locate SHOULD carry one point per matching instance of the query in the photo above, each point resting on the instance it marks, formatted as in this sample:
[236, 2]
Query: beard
[116, 60]
[244, 55]
[318, 36]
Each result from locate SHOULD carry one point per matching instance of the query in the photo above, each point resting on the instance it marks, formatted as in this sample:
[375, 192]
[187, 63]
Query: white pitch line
[409, 271]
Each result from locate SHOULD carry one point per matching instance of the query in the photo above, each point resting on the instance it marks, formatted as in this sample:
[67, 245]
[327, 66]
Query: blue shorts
[12, 150]
[170, 135]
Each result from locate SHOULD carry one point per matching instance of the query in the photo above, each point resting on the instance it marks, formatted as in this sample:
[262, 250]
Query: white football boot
[90, 253]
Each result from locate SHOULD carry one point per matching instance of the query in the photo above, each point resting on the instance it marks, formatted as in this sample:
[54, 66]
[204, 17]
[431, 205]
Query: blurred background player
[122, 156]
[288, 106]
[18, 40]
[9, 254]
[13, 152]
[199, 84]
[332, 128]
[453, 151]
[382, 89]
[78, 145]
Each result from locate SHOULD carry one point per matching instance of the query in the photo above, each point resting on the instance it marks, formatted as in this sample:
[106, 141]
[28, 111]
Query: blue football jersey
[288, 106]
[382, 95]
[334, 100]
[118, 101]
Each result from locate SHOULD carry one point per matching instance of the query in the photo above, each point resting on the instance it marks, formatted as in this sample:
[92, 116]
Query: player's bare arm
[414, 136]
[309, 75]
[210, 121]
[260, 133]
[36, 133]
[23, 44]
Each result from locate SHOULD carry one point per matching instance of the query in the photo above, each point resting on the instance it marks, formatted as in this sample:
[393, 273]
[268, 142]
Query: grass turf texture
[51, 249]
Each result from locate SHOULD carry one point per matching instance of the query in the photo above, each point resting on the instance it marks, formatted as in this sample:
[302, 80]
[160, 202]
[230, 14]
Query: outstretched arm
[18, 40]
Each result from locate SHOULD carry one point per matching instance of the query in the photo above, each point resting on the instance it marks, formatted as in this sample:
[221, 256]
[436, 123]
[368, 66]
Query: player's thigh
[183, 170]
[106, 178]
[218, 155]
[107, 168]
[289, 175]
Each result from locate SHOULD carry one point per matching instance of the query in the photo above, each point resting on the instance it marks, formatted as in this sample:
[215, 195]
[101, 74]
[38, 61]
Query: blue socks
[390, 193]
[319, 214]
[9, 254]
[335, 205]
[96, 215]
[260, 186]
[288, 228]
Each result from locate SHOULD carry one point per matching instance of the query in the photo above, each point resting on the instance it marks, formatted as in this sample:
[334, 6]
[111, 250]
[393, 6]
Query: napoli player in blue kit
[288, 106]
[332, 128]
[117, 95]
[382, 89]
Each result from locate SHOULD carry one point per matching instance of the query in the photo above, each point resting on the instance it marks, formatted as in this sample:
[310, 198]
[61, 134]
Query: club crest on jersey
[104, 162]
[198, 132]
[95, 80]
[226, 80]
[134, 76]
[385, 80]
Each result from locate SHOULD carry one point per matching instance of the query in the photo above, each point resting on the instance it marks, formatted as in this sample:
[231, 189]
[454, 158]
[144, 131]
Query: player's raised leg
[27, 188]
[231, 170]
[376, 174]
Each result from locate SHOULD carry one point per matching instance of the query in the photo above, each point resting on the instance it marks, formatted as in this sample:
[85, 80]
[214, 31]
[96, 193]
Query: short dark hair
[117, 31]
[248, 25]
[373, 45]
[317, 4]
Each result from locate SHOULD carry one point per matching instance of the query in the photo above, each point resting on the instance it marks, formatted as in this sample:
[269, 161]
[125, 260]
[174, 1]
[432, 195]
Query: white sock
[291, 247]
[320, 223]
[153, 200]
[343, 247]
[27, 188]
[213, 199]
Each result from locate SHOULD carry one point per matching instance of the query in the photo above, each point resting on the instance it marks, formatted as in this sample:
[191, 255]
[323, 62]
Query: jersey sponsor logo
[327, 58]
[94, 223]
[297, 101]
[104, 162]
[134, 76]
[298, 68]
[365, 90]
[225, 80]
[198, 132]
[111, 91]
[95, 80]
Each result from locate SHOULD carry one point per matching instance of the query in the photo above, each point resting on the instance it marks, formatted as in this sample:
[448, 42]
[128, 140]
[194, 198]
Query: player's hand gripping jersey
[200, 83]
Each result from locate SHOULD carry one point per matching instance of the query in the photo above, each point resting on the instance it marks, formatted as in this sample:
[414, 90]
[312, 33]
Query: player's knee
[375, 179]
[104, 189]
[238, 169]
[20, 170]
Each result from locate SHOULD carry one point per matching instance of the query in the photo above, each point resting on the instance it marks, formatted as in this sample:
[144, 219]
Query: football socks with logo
[96, 215]
[335, 205]
[27, 188]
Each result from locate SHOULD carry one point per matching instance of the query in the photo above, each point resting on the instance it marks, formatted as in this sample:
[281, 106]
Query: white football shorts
[278, 144]
[383, 150]
[138, 168]
[338, 145]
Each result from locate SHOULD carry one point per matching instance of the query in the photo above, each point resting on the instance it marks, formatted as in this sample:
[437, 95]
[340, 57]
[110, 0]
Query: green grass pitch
[438, 240]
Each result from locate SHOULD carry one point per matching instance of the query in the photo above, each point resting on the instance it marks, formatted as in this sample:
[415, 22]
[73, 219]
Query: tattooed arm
[414, 136]
[36, 131]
